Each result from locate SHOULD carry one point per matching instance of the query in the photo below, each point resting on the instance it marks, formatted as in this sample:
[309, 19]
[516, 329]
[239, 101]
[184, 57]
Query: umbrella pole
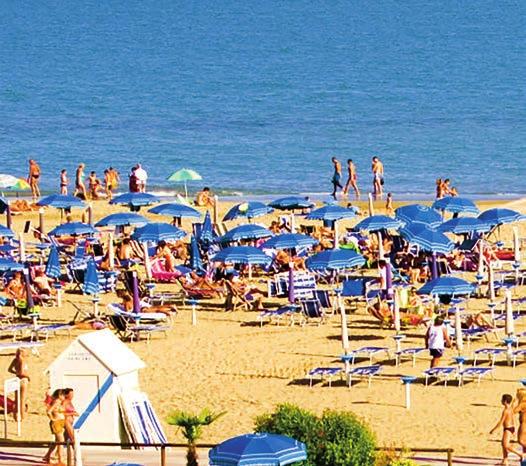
[396, 313]
[434, 266]
[344, 329]
[291, 282]
[215, 211]
[147, 265]
[8, 217]
[380, 245]
[293, 223]
[21, 247]
[336, 238]
[111, 251]
[458, 332]
[41, 221]
[90, 214]
[185, 191]
[371, 205]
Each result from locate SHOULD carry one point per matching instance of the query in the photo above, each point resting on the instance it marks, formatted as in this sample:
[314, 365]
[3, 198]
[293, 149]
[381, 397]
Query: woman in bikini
[64, 182]
[70, 413]
[164, 253]
[57, 424]
[20, 369]
[80, 187]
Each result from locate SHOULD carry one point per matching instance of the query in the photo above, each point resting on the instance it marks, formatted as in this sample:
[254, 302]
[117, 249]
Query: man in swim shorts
[377, 168]
[336, 177]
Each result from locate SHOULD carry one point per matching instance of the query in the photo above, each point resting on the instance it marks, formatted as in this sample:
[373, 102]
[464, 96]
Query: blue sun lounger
[51, 329]
[409, 353]
[517, 354]
[278, 314]
[369, 351]
[491, 353]
[364, 372]
[324, 372]
[474, 373]
[441, 373]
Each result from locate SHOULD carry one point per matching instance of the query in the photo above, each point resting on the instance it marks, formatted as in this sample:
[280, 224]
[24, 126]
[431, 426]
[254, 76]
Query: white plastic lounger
[517, 354]
[48, 330]
[32, 345]
[278, 315]
[324, 372]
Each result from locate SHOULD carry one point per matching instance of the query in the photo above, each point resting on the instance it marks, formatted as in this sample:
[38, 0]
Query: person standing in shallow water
[377, 168]
[336, 177]
[352, 179]
[33, 178]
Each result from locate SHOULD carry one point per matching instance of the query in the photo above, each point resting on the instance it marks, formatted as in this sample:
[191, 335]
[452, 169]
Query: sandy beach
[229, 363]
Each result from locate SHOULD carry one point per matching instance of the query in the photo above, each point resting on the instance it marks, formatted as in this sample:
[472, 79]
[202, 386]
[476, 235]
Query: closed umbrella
[447, 285]
[245, 232]
[155, 232]
[91, 278]
[53, 263]
[242, 255]
[249, 210]
[335, 259]
[73, 229]
[418, 213]
[135, 200]
[207, 233]
[183, 176]
[122, 219]
[456, 205]
[258, 449]
[196, 262]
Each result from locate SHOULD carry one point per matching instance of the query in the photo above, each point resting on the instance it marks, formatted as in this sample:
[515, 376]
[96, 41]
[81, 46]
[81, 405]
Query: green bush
[334, 439]
[393, 458]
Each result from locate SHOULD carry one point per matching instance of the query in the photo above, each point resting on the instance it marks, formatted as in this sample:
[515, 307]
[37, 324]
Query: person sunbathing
[180, 250]
[127, 304]
[43, 284]
[125, 252]
[237, 288]
[164, 253]
[192, 281]
[16, 288]
[205, 198]
[477, 320]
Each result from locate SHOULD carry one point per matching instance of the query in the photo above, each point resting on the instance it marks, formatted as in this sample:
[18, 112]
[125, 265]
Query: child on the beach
[507, 423]
[389, 204]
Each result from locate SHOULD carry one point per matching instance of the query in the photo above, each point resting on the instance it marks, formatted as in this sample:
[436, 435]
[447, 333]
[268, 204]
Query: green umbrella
[183, 175]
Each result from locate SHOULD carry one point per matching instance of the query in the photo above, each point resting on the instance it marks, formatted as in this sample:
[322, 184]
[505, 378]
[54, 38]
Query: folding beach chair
[304, 286]
[409, 353]
[127, 330]
[324, 297]
[324, 372]
[311, 310]
[491, 353]
[440, 373]
[364, 372]
[354, 292]
[474, 373]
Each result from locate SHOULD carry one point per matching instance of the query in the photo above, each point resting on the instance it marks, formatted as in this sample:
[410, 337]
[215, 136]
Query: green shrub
[334, 439]
[394, 458]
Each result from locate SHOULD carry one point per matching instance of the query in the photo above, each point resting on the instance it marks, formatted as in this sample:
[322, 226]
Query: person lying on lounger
[164, 252]
[127, 304]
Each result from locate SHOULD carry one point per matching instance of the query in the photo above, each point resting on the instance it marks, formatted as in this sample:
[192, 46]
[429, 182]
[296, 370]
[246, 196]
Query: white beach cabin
[99, 368]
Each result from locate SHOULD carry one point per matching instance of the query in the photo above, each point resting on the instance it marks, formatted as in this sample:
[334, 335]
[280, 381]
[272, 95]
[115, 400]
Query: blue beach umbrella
[427, 238]
[289, 241]
[207, 233]
[456, 205]
[53, 263]
[61, 201]
[6, 232]
[495, 217]
[135, 200]
[248, 209]
[156, 232]
[242, 255]
[122, 219]
[335, 259]
[196, 262]
[8, 265]
[462, 225]
[291, 203]
[91, 278]
[73, 229]
[258, 449]
[447, 285]
[418, 213]
[248, 231]
[331, 213]
[3, 205]
[175, 210]
[377, 223]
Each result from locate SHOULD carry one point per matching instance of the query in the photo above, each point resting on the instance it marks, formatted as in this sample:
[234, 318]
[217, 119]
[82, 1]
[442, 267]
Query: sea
[257, 96]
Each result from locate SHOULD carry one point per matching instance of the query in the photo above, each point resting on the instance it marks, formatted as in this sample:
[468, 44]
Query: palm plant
[192, 428]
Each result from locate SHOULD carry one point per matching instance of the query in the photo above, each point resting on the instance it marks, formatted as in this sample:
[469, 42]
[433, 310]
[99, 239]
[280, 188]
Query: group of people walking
[377, 169]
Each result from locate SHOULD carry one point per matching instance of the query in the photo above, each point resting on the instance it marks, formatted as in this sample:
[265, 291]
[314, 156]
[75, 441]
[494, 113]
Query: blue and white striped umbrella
[418, 213]
[258, 449]
[122, 219]
[242, 255]
[247, 231]
[135, 200]
[6, 232]
[426, 238]
[495, 217]
[53, 263]
[196, 262]
[331, 213]
[456, 205]
[156, 232]
[91, 278]
[61, 201]
[248, 209]
[335, 259]
[447, 285]
[291, 203]
[378, 222]
[73, 229]
[207, 233]
[289, 241]
[175, 210]
[461, 225]
[10, 265]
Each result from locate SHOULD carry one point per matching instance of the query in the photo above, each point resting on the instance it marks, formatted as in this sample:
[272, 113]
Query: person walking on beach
[33, 179]
[70, 413]
[389, 205]
[142, 177]
[80, 187]
[377, 168]
[437, 340]
[64, 182]
[111, 181]
[19, 368]
[57, 424]
[507, 423]
[336, 177]
[351, 180]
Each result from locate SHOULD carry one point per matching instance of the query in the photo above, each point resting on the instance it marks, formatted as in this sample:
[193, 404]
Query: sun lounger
[311, 310]
[440, 373]
[474, 373]
[16, 330]
[369, 351]
[409, 353]
[13, 346]
[127, 330]
[364, 372]
[160, 274]
[47, 330]
[117, 309]
[517, 354]
[278, 315]
[324, 372]
[491, 353]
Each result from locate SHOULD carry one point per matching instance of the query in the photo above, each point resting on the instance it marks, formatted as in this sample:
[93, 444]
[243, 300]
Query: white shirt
[141, 174]
[436, 337]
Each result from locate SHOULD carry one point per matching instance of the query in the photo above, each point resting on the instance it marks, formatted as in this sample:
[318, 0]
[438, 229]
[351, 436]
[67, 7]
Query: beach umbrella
[291, 203]
[156, 232]
[3, 205]
[248, 209]
[335, 259]
[53, 263]
[6, 232]
[61, 201]
[456, 205]
[9, 265]
[258, 449]
[495, 217]
[289, 241]
[20, 185]
[242, 232]
[331, 213]
[91, 278]
[378, 222]
[122, 219]
[175, 210]
[8, 181]
[207, 233]
[447, 285]
[418, 213]
[427, 238]
[196, 262]
[135, 200]
[242, 255]
[463, 225]
[183, 176]
[73, 229]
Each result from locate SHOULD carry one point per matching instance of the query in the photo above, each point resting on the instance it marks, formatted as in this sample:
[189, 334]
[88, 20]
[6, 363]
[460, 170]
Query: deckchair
[364, 372]
[126, 330]
[491, 353]
[354, 291]
[117, 309]
[474, 373]
[311, 310]
[323, 296]
[517, 354]
[324, 372]
[444, 373]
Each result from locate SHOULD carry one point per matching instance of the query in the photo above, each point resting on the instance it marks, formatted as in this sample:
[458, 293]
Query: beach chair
[311, 311]
[440, 373]
[304, 286]
[145, 317]
[491, 353]
[127, 330]
[277, 285]
[160, 274]
[354, 291]
[324, 297]
[278, 315]
[409, 353]
[370, 352]
[324, 372]
[13, 346]
[364, 372]
[474, 373]
[517, 354]
[48, 330]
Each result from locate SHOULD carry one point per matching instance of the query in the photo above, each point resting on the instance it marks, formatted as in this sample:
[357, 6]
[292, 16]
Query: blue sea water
[257, 95]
